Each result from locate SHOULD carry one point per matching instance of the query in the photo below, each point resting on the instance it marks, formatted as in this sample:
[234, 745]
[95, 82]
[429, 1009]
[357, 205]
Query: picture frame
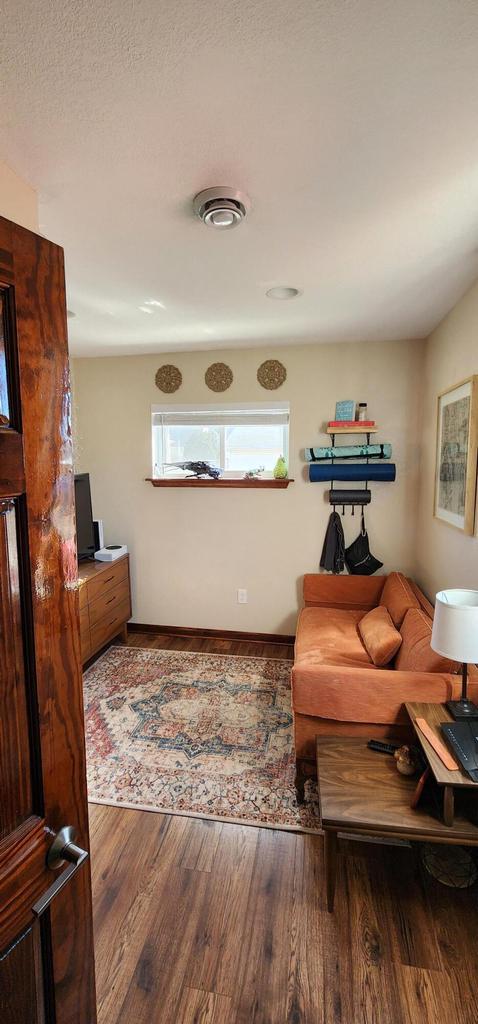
[457, 455]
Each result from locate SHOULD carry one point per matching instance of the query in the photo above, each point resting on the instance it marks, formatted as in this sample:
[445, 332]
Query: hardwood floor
[210, 645]
[199, 922]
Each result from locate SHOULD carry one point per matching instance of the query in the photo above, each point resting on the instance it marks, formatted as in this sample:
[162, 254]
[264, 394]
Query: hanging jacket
[333, 551]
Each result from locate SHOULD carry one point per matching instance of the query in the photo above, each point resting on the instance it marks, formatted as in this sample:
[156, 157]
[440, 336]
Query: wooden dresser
[105, 603]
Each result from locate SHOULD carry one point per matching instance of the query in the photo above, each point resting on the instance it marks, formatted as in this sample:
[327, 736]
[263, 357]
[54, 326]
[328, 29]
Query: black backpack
[358, 559]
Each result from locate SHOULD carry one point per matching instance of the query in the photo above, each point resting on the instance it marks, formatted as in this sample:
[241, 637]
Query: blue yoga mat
[385, 471]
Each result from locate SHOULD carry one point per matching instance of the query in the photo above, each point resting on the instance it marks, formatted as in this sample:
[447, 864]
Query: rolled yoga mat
[348, 451]
[384, 471]
[344, 496]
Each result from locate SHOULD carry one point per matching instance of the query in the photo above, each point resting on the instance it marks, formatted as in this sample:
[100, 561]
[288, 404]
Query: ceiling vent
[221, 207]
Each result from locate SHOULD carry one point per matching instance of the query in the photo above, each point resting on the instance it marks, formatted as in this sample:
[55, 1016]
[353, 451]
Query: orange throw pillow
[415, 654]
[398, 597]
[380, 638]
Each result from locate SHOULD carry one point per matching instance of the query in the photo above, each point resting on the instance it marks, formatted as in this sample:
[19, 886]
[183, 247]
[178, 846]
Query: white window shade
[221, 417]
[233, 438]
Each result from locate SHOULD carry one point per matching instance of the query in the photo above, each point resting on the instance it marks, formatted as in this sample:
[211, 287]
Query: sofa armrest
[349, 592]
[365, 694]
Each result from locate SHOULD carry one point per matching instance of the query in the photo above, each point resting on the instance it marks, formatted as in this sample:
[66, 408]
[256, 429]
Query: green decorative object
[280, 469]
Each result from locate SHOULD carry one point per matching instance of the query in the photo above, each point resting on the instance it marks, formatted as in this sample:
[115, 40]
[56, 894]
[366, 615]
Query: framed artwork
[457, 452]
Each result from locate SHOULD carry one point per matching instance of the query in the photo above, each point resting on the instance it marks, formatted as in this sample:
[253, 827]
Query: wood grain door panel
[46, 966]
[15, 726]
[21, 980]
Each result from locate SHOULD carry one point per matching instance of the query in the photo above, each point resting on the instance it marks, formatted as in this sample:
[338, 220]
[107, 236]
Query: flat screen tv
[85, 537]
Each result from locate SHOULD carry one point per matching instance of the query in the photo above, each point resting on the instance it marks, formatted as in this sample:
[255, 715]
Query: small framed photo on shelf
[345, 411]
[456, 459]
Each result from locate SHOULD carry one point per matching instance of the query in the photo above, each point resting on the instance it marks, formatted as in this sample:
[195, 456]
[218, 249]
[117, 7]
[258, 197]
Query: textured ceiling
[352, 124]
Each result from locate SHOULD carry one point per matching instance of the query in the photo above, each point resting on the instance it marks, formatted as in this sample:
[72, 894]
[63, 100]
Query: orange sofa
[336, 687]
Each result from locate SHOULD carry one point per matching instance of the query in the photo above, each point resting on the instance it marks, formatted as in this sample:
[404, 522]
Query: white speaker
[111, 552]
[99, 534]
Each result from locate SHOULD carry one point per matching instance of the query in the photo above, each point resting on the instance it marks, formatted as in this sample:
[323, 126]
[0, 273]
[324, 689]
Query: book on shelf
[360, 424]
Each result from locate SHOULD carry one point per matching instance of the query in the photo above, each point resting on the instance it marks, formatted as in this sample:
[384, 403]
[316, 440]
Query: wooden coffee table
[362, 793]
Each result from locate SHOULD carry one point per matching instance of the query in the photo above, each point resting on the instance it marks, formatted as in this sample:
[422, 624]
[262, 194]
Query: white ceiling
[352, 124]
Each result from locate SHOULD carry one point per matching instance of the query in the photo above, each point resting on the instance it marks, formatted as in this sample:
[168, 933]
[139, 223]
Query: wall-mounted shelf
[352, 430]
[368, 467]
[273, 485]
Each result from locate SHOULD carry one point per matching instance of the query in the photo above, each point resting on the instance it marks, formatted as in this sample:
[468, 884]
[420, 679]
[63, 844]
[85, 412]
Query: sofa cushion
[330, 636]
[379, 635]
[416, 654]
[398, 597]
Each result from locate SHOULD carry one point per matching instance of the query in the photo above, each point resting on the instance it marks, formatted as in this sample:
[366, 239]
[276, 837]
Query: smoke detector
[221, 207]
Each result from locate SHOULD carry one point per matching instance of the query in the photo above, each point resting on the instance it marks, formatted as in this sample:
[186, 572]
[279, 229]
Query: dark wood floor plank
[198, 1007]
[128, 878]
[161, 970]
[313, 980]
[431, 997]
[210, 645]
[214, 963]
[369, 992]
[413, 941]
[448, 909]
[264, 954]
[201, 850]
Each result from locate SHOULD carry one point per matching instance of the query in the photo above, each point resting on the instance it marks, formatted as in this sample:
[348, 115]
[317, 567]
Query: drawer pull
[111, 599]
[109, 579]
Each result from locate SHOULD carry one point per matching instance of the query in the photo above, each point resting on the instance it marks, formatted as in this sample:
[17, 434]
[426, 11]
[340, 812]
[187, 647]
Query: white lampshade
[455, 625]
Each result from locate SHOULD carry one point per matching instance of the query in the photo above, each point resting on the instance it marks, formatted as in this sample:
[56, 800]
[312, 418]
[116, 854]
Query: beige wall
[191, 550]
[18, 201]
[444, 556]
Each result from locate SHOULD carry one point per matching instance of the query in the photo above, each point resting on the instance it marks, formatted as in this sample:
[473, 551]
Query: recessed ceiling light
[283, 292]
[145, 309]
[154, 302]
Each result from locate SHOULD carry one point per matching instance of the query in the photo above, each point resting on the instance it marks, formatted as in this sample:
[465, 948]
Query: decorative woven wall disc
[271, 374]
[168, 378]
[218, 377]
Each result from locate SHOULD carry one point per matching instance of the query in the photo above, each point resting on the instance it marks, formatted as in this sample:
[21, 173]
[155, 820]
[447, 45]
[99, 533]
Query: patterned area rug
[205, 735]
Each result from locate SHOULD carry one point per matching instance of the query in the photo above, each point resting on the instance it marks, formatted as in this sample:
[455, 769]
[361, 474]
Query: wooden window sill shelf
[275, 485]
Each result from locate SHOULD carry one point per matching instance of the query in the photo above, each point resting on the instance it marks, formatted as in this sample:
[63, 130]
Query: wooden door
[46, 948]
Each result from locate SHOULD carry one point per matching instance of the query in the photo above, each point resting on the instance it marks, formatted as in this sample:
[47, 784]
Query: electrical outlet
[242, 596]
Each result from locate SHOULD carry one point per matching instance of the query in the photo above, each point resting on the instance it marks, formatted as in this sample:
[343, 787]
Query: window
[232, 438]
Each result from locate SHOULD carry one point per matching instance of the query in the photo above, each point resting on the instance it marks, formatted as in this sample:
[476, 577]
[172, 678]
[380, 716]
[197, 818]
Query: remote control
[382, 748]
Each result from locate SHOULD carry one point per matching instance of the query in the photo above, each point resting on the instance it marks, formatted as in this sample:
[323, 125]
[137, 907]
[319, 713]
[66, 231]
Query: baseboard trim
[218, 634]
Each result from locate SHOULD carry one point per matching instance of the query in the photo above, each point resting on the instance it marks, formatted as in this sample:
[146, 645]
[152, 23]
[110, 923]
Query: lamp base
[462, 709]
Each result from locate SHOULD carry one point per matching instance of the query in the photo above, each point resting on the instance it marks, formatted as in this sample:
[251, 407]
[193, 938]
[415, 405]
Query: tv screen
[85, 538]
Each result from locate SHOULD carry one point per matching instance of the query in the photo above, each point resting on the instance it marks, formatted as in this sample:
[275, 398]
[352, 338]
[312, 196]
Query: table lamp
[455, 635]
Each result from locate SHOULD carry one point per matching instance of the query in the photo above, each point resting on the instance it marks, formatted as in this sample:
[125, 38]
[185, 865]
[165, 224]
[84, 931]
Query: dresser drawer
[109, 626]
[84, 633]
[83, 596]
[84, 620]
[108, 602]
[85, 647]
[108, 579]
